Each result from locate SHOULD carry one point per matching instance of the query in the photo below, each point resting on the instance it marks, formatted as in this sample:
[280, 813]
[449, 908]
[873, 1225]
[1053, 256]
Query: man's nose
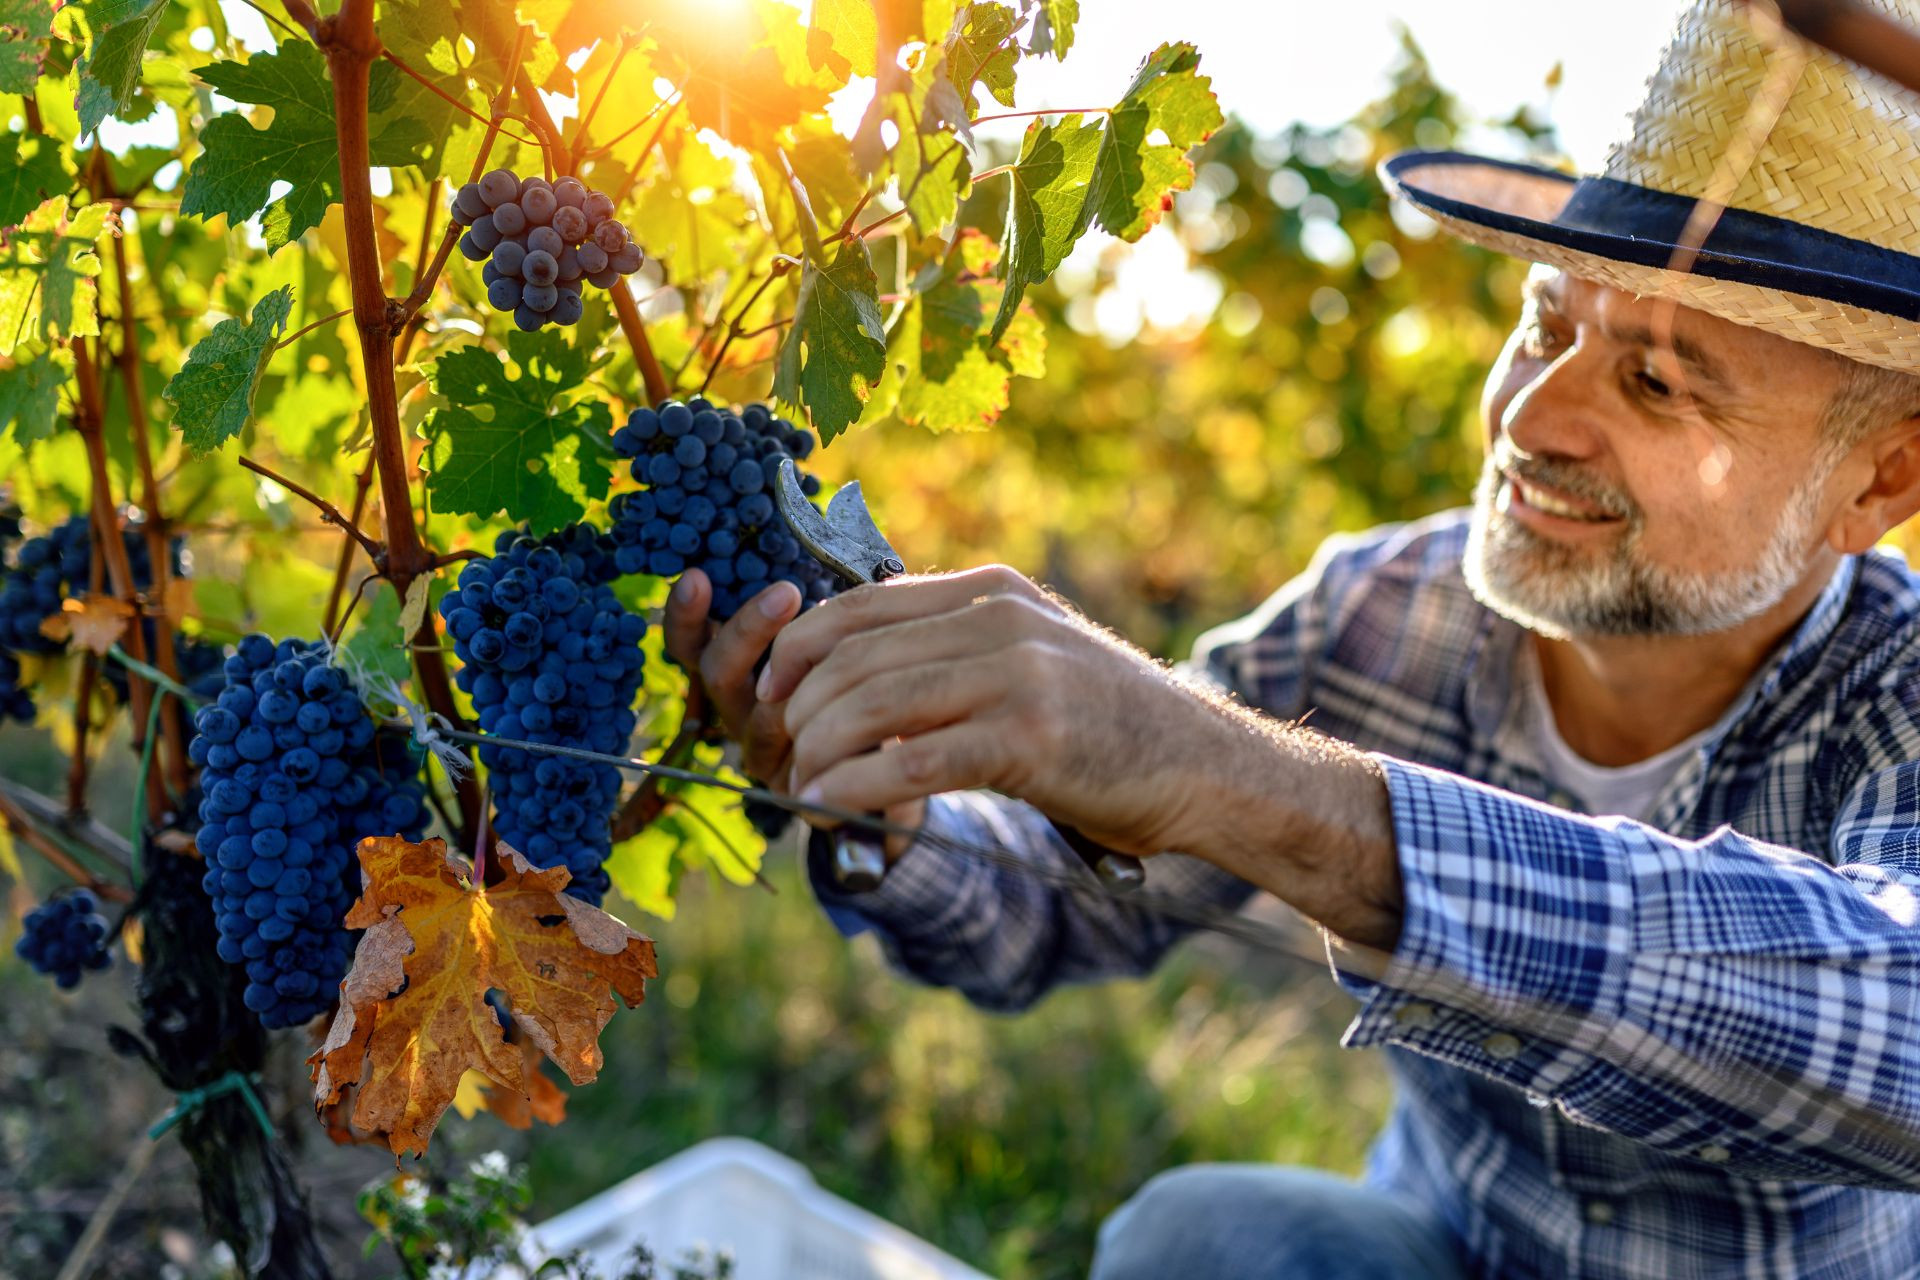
[1556, 412]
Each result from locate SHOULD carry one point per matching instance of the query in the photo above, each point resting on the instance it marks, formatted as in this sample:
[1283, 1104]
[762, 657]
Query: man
[1681, 1037]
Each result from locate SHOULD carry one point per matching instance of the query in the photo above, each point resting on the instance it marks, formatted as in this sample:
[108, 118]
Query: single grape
[571, 193]
[592, 258]
[469, 204]
[498, 187]
[569, 260]
[570, 222]
[507, 257]
[603, 279]
[539, 267]
[504, 294]
[627, 261]
[597, 206]
[546, 240]
[539, 297]
[527, 318]
[470, 248]
[610, 236]
[534, 182]
[510, 219]
[567, 309]
[538, 204]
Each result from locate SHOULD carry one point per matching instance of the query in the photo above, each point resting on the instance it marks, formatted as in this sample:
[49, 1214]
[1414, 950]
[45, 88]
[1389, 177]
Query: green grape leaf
[699, 827]
[1053, 27]
[30, 171]
[956, 378]
[1046, 211]
[30, 395]
[212, 395]
[24, 28]
[1136, 178]
[425, 34]
[512, 444]
[110, 73]
[836, 348]
[842, 37]
[980, 52]
[236, 172]
[47, 272]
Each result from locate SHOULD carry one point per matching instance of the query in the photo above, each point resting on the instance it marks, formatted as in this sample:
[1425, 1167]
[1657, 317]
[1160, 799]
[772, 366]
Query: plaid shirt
[1686, 1047]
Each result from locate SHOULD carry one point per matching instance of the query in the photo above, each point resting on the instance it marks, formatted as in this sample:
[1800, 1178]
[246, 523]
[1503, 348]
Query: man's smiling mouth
[1553, 503]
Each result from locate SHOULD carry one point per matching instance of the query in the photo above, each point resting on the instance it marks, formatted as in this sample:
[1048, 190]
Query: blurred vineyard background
[1166, 476]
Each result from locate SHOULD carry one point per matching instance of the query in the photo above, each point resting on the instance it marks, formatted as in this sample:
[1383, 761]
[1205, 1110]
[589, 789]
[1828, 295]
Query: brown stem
[158, 533]
[328, 512]
[651, 374]
[87, 416]
[779, 268]
[668, 103]
[306, 329]
[351, 48]
[302, 12]
[344, 567]
[17, 820]
[78, 766]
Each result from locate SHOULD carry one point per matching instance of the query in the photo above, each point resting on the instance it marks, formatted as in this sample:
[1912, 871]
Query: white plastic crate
[734, 1193]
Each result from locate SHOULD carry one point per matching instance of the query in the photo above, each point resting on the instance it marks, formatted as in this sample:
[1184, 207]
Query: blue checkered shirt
[1682, 1047]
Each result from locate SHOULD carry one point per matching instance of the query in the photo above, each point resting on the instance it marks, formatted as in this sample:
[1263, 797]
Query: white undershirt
[1628, 790]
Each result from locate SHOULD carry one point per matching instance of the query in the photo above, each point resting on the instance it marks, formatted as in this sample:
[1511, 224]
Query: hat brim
[1810, 286]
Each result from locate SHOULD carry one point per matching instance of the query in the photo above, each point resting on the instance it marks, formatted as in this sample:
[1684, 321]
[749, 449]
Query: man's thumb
[685, 622]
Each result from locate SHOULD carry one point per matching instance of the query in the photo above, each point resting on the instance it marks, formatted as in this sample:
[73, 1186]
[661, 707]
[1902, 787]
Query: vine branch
[328, 512]
[23, 827]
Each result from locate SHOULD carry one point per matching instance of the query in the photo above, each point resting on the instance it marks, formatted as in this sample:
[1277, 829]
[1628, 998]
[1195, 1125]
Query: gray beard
[1563, 591]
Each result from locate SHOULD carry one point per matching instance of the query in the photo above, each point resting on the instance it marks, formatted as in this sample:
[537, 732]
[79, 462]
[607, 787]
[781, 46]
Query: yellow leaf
[133, 939]
[471, 1096]
[415, 607]
[97, 623]
[413, 1013]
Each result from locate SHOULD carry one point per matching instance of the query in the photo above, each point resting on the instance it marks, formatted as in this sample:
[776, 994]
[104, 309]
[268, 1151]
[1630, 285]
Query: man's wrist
[1305, 817]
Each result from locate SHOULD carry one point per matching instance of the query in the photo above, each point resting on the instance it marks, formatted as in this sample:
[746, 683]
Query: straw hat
[1819, 239]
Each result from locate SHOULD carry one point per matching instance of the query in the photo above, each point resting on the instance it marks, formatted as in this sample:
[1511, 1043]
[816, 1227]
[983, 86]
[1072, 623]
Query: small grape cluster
[293, 776]
[66, 937]
[540, 241]
[708, 502]
[59, 564]
[550, 655]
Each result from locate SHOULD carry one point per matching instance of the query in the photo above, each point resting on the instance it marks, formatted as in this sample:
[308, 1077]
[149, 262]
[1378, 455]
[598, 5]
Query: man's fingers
[1002, 620]
[684, 626]
[728, 661]
[808, 641]
[950, 759]
[901, 703]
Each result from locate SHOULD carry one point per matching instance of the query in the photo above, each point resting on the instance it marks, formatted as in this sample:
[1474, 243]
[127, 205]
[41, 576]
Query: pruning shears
[847, 541]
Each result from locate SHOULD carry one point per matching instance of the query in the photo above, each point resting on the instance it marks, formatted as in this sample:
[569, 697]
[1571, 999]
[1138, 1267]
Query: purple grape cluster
[293, 775]
[708, 501]
[550, 655]
[540, 241]
[66, 937]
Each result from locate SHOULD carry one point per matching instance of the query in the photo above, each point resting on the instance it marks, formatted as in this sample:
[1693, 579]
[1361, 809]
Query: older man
[1609, 807]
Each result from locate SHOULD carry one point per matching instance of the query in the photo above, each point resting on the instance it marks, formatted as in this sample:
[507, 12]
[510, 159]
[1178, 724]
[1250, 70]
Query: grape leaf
[979, 51]
[1136, 177]
[1046, 210]
[836, 348]
[1053, 27]
[958, 380]
[377, 646]
[510, 443]
[24, 28]
[841, 37]
[698, 826]
[236, 172]
[30, 395]
[413, 1013]
[213, 393]
[47, 271]
[110, 73]
[30, 171]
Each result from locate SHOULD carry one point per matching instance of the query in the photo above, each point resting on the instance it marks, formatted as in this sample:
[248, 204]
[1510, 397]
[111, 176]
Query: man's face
[1634, 487]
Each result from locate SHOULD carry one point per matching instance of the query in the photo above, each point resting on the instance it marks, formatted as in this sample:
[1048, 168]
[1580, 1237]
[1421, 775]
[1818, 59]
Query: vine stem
[306, 329]
[22, 826]
[1043, 111]
[87, 417]
[351, 45]
[779, 268]
[79, 766]
[328, 512]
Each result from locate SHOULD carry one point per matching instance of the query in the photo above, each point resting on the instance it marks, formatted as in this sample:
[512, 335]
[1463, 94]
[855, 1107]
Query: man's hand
[989, 682]
[722, 658]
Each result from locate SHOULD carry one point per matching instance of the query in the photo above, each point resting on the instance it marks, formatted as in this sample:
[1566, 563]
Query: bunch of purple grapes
[708, 502]
[541, 241]
[66, 937]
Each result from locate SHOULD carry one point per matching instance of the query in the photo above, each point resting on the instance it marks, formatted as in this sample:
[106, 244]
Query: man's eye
[1653, 386]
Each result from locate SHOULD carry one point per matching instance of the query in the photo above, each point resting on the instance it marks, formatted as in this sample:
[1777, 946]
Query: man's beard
[1560, 591]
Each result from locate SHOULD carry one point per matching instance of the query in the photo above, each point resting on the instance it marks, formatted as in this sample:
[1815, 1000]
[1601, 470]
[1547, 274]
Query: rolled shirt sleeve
[1723, 999]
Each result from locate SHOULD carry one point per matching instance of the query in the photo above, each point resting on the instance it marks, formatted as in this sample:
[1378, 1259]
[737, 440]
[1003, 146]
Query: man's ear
[1890, 494]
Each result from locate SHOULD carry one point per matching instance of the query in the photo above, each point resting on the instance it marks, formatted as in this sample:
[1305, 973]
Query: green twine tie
[192, 1100]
